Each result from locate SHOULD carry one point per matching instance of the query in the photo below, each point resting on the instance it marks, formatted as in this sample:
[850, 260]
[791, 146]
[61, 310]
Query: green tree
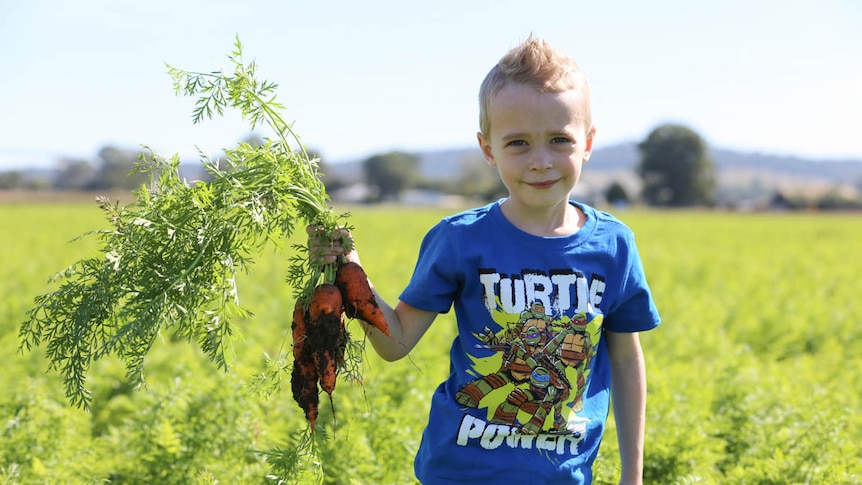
[326, 172]
[616, 194]
[675, 168]
[116, 169]
[74, 174]
[11, 180]
[479, 180]
[391, 173]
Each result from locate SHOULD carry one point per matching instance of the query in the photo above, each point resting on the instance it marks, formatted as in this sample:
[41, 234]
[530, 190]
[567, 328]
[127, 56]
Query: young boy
[549, 296]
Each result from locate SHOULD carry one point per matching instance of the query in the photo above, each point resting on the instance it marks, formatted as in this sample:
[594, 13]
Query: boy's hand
[326, 248]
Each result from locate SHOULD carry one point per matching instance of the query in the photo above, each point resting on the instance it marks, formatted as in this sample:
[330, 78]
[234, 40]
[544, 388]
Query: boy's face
[538, 142]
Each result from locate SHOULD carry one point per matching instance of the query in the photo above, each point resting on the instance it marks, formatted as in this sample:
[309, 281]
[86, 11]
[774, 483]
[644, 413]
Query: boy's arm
[628, 394]
[407, 325]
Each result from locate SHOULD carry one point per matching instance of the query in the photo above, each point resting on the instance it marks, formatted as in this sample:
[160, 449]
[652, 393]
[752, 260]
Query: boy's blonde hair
[537, 65]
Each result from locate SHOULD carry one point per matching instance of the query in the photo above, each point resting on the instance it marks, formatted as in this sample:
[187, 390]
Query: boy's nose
[541, 160]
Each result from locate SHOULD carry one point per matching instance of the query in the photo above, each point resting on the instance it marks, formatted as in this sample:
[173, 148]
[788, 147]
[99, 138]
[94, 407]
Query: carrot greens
[169, 261]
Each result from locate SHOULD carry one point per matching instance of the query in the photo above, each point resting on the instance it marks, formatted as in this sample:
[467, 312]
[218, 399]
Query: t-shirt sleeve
[634, 310]
[435, 281]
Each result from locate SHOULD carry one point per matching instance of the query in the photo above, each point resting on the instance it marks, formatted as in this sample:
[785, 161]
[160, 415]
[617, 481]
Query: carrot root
[319, 342]
[303, 382]
[358, 298]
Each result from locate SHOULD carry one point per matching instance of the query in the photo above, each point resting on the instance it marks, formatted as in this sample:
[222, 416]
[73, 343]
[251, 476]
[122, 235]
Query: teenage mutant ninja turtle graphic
[543, 360]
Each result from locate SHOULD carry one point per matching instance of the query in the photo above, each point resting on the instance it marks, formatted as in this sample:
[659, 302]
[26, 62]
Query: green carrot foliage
[169, 261]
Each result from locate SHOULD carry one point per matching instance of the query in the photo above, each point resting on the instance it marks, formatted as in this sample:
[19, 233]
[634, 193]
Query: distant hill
[740, 174]
[736, 169]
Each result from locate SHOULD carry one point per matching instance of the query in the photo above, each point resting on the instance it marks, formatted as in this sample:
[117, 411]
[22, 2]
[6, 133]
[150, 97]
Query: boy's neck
[563, 220]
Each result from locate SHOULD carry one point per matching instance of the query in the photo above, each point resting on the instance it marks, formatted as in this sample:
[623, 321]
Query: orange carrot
[303, 382]
[304, 377]
[325, 300]
[326, 366]
[326, 323]
[358, 298]
[320, 348]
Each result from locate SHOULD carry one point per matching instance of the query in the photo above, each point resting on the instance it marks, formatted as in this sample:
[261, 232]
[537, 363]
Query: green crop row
[754, 375]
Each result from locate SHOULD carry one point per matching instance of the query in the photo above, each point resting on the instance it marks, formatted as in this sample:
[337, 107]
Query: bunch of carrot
[320, 337]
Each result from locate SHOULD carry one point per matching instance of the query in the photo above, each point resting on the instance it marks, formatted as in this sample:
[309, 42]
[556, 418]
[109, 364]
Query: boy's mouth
[542, 185]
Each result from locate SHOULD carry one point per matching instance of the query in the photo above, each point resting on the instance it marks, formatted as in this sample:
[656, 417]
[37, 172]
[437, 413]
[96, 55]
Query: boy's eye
[560, 139]
[516, 143]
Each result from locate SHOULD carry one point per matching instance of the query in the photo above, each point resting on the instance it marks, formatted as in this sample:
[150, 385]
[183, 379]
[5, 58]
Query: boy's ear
[590, 136]
[485, 146]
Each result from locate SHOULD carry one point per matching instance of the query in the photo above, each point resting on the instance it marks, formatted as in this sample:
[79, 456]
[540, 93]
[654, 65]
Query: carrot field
[755, 375]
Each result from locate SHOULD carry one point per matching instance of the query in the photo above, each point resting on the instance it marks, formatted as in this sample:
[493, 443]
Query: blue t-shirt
[527, 397]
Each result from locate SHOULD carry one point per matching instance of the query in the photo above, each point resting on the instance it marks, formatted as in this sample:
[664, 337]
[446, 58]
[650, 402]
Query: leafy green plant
[171, 259]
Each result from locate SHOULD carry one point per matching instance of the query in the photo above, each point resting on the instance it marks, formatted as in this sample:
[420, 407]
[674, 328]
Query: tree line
[675, 170]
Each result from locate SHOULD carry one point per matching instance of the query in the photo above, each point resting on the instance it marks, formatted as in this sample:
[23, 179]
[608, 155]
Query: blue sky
[360, 78]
